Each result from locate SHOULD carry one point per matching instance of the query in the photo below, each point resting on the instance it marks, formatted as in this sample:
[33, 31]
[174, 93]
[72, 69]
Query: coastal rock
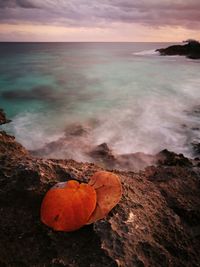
[196, 148]
[191, 50]
[169, 158]
[3, 118]
[156, 223]
[103, 155]
[135, 161]
[76, 130]
[76, 142]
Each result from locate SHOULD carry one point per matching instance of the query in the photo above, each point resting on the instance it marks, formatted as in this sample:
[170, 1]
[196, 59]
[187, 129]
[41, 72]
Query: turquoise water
[139, 100]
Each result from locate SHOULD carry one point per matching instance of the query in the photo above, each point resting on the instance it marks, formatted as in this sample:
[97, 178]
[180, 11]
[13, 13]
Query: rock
[156, 223]
[150, 225]
[76, 143]
[196, 148]
[3, 118]
[76, 130]
[103, 155]
[172, 183]
[134, 161]
[191, 50]
[73, 144]
[168, 158]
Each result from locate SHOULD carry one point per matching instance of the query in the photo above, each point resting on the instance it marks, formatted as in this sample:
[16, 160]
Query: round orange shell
[109, 192]
[69, 208]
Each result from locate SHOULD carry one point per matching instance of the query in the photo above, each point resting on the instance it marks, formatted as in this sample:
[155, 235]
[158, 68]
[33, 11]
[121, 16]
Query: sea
[123, 94]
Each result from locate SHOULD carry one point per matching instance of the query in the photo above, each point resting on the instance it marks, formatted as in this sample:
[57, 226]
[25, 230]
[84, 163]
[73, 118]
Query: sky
[99, 20]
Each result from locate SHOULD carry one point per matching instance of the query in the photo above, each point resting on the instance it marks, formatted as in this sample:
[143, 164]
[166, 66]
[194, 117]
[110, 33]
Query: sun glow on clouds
[116, 32]
[105, 20]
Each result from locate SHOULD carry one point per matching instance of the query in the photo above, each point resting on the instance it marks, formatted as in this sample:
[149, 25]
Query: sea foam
[135, 104]
[146, 53]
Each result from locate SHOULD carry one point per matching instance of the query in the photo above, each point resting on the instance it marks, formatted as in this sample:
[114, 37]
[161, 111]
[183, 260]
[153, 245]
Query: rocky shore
[191, 50]
[157, 222]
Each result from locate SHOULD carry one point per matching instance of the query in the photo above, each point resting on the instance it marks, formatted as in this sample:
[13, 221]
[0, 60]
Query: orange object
[109, 192]
[68, 208]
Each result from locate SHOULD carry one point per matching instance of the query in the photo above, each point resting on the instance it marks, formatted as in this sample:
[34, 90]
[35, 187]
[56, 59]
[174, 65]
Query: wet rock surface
[156, 223]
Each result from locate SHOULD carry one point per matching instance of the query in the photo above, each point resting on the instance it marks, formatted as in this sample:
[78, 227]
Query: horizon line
[91, 41]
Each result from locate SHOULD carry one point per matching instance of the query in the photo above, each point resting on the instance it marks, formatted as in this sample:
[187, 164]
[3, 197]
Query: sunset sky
[99, 20]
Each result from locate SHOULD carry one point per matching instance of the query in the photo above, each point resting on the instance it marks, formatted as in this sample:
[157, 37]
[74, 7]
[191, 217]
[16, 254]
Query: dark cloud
[26, 4]
[18, 3]
[99, 13]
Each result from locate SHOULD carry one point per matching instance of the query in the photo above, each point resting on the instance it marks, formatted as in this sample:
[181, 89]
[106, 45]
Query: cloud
[104, 13]
[17, 3]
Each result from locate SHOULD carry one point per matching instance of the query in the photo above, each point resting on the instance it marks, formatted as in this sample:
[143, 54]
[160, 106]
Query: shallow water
[139, 100]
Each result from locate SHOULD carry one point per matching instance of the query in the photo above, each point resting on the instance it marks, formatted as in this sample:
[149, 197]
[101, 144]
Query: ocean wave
[146, 53]
[31, 130]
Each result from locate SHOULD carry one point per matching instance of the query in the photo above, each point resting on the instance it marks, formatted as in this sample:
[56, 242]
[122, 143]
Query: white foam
[141, 109]
[146, 124]
[146, 53]
[30, 131]
[153, 123]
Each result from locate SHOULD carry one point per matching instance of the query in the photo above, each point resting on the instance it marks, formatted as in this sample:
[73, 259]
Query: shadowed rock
[3, 118]
[102, 154]
[196, 148]
[156, 223]
[191, 50]
[169, 158]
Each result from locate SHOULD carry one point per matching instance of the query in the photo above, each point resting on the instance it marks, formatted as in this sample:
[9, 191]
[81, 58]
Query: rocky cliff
[190, 50]
[156, 223]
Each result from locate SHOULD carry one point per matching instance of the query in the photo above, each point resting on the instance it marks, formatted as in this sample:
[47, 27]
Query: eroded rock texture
[156, 223]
